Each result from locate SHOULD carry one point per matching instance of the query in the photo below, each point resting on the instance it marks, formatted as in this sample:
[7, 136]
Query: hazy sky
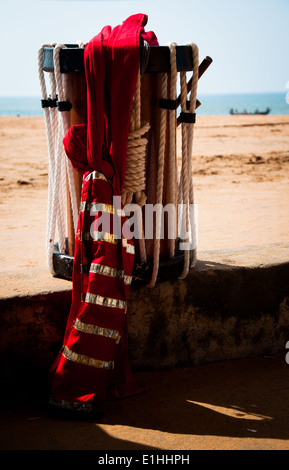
[247, 39]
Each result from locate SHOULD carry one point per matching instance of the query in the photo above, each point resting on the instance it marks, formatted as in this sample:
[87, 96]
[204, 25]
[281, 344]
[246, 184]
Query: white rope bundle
[185, 183]
[64, 115]
[172, 137]
[187, 144]
[59, 165]
[51, 132]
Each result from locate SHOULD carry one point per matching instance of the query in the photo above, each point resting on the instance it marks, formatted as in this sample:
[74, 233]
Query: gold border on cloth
[95, 175]
[106, 237]
[97, 236]
[100, 207]
[104, 301]
[71, 405]
[86, 360]
[96, 330]
[128, 246]
[112, 272]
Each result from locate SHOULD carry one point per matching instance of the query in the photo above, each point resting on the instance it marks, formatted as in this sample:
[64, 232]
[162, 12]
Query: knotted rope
[135, 178]
[135, 173]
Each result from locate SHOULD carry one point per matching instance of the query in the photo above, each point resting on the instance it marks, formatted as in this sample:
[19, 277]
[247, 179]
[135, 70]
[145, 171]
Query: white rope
[172, 137]
[59, 203]
[187, 143]
[160, 179]
[50, 133]
[56, 211]
[63, 129]
[60, 168]
[193, 101]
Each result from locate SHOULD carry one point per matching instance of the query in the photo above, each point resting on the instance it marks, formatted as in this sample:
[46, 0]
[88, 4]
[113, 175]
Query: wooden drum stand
[155, 174]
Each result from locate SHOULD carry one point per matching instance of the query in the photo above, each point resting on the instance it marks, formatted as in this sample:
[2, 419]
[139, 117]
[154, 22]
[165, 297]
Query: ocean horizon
[211, 104]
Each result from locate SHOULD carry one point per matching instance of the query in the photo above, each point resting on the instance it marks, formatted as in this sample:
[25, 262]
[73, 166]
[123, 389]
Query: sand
[241, 185]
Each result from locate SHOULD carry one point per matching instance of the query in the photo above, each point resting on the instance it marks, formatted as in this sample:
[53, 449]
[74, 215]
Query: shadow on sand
[242, 398]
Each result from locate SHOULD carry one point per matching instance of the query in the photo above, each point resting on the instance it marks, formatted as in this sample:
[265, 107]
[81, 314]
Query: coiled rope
[135, 173]
[135, 178]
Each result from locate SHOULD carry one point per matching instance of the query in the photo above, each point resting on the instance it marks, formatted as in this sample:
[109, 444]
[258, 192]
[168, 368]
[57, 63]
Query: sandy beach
[241, 185]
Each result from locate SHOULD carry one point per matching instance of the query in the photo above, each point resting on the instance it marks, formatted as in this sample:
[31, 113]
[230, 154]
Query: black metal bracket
[168, 270]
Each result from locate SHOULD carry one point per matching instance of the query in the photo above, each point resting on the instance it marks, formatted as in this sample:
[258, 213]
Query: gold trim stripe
[100, 207]
[104, 301]
[95, 235]
[128, 246]
[107, 237]
[107, 271]
[71, 405]
[95, 175]
[96, 330]
[86, 360]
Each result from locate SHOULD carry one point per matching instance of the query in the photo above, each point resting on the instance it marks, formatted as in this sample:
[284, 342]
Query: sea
[211, 105]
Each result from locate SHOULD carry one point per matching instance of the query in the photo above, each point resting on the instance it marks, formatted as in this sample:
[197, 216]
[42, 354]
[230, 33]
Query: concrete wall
[218, 312]
[214, 314]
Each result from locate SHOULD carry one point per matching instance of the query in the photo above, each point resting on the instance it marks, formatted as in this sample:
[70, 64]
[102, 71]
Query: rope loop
[136, 160]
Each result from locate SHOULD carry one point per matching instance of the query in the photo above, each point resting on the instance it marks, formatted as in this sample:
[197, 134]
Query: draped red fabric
[93, 360]
[111, 73]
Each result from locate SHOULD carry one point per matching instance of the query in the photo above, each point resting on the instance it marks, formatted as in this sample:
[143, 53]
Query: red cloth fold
[111, 67]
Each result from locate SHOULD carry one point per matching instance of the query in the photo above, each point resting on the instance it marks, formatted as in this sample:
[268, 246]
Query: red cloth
[93, 359]
[111, 65]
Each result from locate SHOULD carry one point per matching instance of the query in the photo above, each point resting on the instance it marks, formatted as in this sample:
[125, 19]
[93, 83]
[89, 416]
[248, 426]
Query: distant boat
[235, 111]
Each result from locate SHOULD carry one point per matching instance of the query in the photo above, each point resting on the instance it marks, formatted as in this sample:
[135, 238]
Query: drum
[158, 187]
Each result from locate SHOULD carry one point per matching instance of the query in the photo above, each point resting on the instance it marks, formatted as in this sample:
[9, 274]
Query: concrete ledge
[234, 303]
